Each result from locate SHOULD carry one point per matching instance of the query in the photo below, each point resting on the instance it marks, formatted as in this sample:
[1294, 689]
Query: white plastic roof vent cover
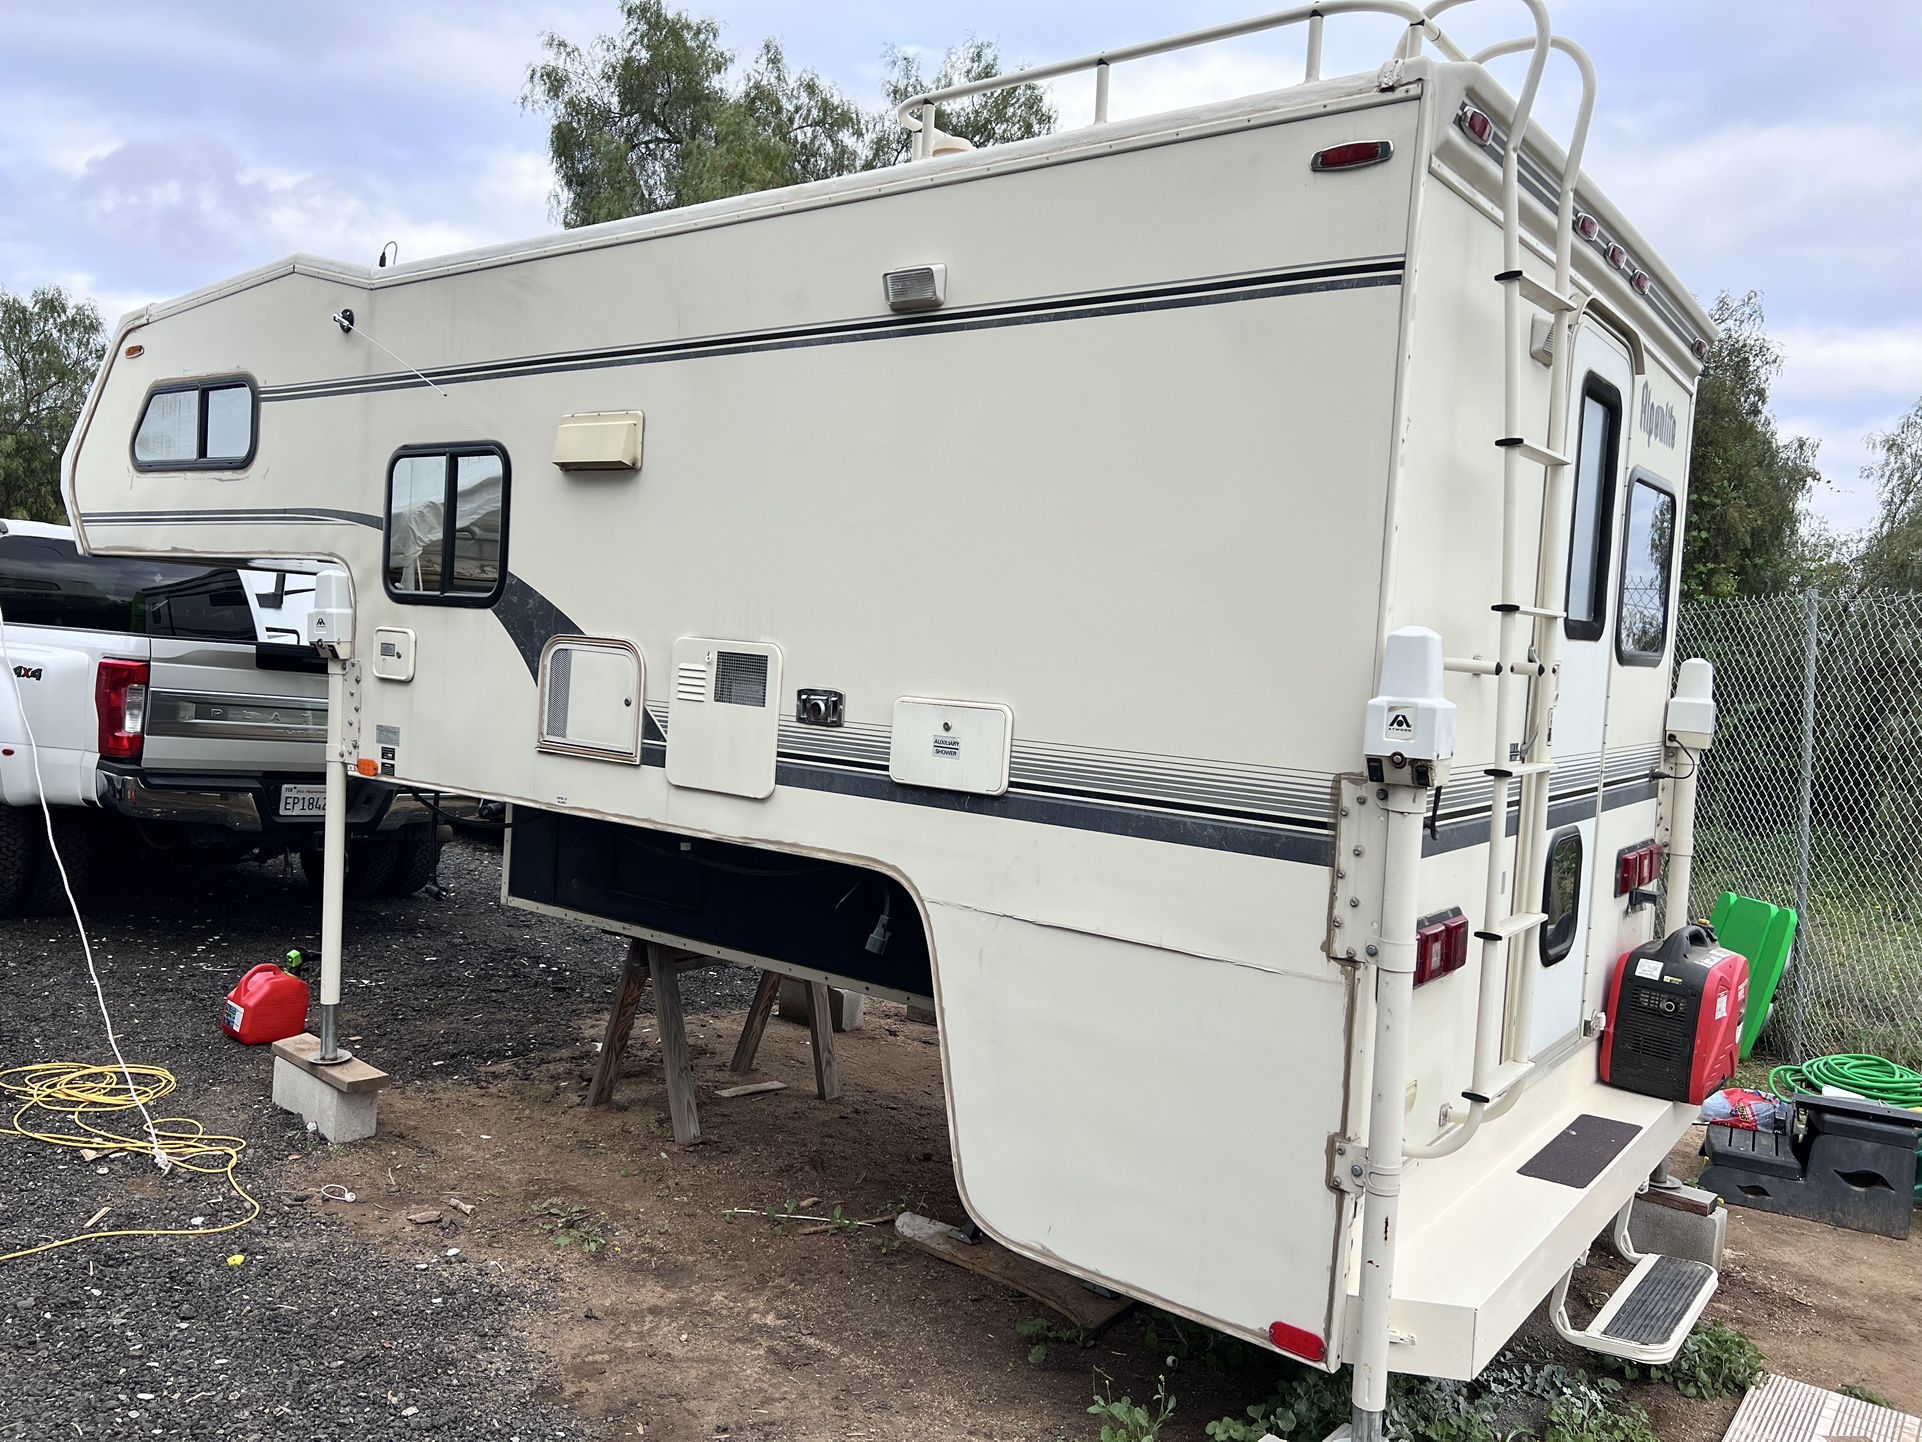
[924, 287]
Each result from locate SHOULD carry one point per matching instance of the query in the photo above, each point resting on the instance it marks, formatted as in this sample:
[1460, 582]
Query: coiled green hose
[1874, 1077]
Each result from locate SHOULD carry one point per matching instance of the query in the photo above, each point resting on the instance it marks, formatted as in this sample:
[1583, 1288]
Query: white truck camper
[1122, 586]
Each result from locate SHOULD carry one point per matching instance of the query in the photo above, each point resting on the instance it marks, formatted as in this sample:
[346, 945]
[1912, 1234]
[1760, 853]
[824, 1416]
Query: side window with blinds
[205, 425]
[1648, 551]
[1591, 506]
[447, 524]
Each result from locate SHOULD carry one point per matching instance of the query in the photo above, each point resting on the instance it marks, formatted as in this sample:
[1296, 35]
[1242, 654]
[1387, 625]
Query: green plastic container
[1765, 934]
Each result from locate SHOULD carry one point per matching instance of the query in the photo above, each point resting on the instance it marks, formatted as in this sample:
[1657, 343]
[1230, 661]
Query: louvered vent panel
[740, 679]
[560, 681]
[690, 681]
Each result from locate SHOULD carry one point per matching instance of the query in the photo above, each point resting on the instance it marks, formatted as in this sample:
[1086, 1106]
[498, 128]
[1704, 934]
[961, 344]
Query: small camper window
[1648, 546]
[1562, 896]
[197, 426]
[1590, 507]
[447, 524]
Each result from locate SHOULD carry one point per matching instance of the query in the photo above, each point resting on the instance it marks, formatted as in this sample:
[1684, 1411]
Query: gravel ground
[315, 1334]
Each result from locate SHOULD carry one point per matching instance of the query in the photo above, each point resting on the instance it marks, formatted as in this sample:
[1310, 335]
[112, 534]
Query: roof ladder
[1528, 624]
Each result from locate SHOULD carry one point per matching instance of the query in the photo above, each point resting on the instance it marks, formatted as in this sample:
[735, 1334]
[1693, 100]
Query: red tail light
[1641, 282]
[1637, 867]
[1617, 256]
[1587, 226]
[120, 702]
[1441, 944]
[1477, 124]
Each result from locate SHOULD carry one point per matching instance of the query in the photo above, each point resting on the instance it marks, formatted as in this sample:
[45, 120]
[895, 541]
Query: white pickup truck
[174, 705]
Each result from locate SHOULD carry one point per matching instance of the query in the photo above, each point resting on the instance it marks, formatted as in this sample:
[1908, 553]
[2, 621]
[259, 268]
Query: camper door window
[203, 425]
[1562, 895]
[1648, 547]
[447, 524]
[1592, 503]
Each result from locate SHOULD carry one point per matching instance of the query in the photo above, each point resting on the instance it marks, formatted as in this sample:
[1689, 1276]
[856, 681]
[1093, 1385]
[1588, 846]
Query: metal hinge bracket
[1347, 1165]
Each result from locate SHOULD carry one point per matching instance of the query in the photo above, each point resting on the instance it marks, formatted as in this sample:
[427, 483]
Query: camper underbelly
[1101, 1090]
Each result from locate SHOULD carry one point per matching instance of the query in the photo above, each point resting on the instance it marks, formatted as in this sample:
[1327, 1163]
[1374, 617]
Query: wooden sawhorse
[651, 961]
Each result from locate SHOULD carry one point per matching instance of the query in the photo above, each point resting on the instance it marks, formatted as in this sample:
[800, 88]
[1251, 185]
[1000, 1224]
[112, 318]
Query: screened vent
[591, 698]
[560, 680]
[740, 679]
[690, 681]
[729, 746]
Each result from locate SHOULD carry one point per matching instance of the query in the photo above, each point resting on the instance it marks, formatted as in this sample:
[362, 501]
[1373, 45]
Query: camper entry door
[1602, 378]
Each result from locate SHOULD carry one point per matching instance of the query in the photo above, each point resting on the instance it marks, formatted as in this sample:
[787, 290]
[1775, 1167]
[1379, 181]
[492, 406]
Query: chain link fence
[1812, 798]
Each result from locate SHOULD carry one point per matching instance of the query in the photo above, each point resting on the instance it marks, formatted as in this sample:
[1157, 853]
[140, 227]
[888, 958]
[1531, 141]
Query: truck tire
[78, 834]
[370, 861]
[17, 825]
[416, 858]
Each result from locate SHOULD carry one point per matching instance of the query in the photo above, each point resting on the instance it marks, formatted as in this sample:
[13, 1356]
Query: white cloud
[1850, 363]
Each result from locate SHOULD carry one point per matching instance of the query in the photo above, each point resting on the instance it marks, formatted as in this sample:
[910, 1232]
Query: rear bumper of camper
[1487, 1232]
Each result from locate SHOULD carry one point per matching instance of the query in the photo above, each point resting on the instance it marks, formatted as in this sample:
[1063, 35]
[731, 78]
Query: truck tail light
[120, 702]
[1441, 944]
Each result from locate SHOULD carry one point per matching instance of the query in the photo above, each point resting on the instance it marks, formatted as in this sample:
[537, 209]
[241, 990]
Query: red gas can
[267, 1005]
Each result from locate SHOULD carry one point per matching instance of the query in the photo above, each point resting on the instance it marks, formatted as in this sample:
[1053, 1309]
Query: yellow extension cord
[60, 1100]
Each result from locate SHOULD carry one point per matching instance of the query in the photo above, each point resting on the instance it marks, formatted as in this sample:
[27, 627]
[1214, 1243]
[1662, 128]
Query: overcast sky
[147, 149]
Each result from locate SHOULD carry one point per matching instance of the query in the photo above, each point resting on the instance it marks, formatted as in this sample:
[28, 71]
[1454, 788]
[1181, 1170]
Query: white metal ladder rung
[1511, 926]
[1520, 768]
[1529, 451]
[1546, 613]
[1542, 297]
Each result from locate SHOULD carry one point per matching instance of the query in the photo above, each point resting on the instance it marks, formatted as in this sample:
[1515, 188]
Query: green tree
[50, 348]
[992, 119]
[653, 117]
[1891, 559]
[1746, 480]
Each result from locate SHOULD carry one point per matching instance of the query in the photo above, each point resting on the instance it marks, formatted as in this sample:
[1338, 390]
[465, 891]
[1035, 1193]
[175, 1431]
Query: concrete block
[921, 1014]
[846, 1009]
[337, 1115]
[1680, 1222]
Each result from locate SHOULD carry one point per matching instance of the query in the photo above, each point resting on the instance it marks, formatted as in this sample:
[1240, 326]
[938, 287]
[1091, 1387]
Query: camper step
[1508, 926]
[1649, 1316]
[1529, 451]
[1536, 294]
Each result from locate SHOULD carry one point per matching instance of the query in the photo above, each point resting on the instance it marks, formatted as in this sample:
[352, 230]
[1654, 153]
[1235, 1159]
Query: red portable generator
[1675, 1017]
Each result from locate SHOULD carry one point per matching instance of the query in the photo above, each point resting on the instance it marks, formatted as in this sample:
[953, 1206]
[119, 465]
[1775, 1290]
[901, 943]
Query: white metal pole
[1101, 93]
[1313, 71]
[1686, 767]
[334, 858]
[1394, 996]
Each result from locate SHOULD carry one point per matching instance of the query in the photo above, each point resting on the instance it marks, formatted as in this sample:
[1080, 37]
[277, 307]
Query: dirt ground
[690, 1323]
[599, 1289]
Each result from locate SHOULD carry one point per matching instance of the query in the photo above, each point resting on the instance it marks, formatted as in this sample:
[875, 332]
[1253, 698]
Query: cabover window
[447, 524]
[1648, 546]
[1562, 895]
[197, 426]
[1591, 504]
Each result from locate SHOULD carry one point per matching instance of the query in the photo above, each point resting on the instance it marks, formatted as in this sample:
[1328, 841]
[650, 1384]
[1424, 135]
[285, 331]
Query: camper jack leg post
[1691, 731]
[1394, 961]
[334, 857]
[330, 630]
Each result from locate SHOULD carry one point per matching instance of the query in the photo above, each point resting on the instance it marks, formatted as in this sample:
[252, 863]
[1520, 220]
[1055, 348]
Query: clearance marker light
[1352, 156]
